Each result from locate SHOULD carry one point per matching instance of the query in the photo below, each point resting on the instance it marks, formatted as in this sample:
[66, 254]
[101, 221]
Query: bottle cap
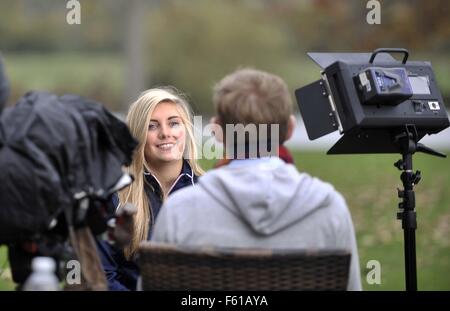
[43, 264]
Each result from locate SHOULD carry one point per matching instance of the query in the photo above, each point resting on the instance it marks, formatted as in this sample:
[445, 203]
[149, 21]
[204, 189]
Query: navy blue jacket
[121, 273]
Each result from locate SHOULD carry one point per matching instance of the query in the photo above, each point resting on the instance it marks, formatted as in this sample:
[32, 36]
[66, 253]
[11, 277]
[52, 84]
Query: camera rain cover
[50, 149]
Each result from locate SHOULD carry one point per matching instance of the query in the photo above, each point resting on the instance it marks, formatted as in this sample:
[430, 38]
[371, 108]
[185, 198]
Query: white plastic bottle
[42, 277]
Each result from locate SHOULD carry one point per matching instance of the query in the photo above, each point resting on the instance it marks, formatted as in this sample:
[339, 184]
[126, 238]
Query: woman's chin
[169, 157]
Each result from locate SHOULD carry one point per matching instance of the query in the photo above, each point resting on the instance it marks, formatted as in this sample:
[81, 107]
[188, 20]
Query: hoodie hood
[268, 194]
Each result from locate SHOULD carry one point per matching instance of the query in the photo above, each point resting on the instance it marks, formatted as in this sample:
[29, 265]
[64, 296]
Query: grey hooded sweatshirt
[262, 203]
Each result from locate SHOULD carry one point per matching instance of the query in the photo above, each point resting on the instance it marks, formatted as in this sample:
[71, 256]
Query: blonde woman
[164, 161]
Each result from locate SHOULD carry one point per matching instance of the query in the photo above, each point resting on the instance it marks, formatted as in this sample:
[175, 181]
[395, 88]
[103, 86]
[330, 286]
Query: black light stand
[407, 142]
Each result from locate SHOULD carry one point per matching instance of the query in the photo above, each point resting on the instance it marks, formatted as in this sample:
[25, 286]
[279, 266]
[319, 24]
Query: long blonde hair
[138, 119]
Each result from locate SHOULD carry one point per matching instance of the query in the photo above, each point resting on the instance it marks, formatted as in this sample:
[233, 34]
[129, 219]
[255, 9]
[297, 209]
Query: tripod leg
[409, 221]
[410, 259]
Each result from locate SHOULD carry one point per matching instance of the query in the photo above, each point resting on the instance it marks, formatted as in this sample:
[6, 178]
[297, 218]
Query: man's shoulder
[335, 199]
[196, 192]
[187, 196]
[181, 195]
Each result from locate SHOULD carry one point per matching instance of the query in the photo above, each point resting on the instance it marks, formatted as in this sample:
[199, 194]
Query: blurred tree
[193, 44]
[30, 25]
[134, 74]
[341, 25]
[40, 26]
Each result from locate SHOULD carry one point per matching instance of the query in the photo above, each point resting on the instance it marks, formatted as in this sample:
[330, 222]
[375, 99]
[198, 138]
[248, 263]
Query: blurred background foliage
[122, 47]
[192, 44]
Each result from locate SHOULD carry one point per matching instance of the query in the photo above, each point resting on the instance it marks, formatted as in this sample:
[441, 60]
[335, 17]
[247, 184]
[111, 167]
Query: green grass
[6, 282]
[368, 182]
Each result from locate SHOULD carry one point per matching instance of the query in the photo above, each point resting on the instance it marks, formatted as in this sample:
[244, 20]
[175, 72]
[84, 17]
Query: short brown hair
[249, 96]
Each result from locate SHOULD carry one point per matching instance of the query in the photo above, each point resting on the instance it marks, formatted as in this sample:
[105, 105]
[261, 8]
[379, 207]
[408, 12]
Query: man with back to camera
[258, 201]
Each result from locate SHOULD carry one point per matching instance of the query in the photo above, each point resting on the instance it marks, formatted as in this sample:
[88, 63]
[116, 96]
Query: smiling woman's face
[166, 135]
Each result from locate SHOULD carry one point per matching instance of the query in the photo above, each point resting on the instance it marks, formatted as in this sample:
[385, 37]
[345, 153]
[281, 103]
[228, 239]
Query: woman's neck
[167, 173]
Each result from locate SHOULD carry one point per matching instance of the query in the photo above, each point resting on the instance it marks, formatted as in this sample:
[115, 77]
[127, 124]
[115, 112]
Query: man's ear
[291, 127]
[214, 123]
